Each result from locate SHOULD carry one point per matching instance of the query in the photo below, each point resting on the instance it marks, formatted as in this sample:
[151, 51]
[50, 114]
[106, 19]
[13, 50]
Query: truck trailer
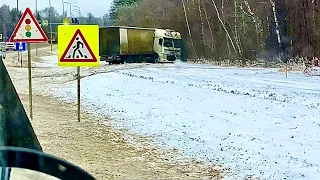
[54, 39]
[119, 44]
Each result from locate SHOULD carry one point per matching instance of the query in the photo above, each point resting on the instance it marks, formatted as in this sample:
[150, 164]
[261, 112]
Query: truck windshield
[168, 42]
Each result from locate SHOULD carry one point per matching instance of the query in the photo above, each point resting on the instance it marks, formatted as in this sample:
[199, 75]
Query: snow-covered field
[253, 120]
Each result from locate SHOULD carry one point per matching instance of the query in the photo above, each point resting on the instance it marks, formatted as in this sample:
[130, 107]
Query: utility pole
[70, 7]
[79, 11]
[50, 23]
[36, 1]
[62, 8]
[17, 23]
[78, 75]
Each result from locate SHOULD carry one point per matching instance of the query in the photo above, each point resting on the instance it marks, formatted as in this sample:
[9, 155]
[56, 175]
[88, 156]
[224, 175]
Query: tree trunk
[202, 23]
[236, 28]
[277, 23]
[164, 10]
[189, 31]
[224, 27]
[209, 25]
[224, 19]
[255, 22]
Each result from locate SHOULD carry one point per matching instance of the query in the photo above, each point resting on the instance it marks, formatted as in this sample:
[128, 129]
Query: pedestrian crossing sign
[78, 45]
[78, 50]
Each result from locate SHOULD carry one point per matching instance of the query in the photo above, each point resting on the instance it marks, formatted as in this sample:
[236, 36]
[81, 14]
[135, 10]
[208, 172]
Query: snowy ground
[252, 120]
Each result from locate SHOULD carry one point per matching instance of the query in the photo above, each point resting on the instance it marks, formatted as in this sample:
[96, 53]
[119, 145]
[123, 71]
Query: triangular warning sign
[28, 30]
[78, 50]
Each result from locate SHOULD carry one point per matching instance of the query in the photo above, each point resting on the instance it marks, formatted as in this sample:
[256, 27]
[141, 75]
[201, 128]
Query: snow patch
[50, 61]
[255, 121]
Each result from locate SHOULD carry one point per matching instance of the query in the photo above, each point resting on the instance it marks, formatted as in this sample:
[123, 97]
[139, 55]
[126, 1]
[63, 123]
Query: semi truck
[54, 37]
[119, 44]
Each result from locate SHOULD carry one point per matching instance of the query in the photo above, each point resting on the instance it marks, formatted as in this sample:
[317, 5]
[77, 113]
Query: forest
[245, 30]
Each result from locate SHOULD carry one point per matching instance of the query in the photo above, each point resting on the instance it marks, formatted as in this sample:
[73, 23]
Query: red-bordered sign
[28, 30]
[78, 50]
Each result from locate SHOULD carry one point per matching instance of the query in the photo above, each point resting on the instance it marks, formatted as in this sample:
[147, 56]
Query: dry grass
[100, 149]
[103, 151]
[39, 45]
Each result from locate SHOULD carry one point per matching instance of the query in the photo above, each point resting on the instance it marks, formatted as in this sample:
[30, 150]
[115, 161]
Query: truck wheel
[140, 60]
[122, 59]
[155, 59]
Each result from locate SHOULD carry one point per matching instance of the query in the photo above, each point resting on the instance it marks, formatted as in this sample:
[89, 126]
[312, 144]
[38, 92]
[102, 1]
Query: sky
[96, 7]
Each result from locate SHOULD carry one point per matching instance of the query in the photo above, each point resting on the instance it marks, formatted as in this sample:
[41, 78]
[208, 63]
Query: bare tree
[187, 22]
[223, 25]
[202, 23]
[209, 26]
[276, 21]
[236, 28]
[231, 29]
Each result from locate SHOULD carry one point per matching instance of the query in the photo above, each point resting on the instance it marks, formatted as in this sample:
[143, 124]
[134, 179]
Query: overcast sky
[96, 7]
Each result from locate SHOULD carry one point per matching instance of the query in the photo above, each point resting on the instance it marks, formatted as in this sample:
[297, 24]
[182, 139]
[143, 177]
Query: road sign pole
[79, 92]
[35, 34]
[50, 21]
[21, 59]
[30, 80]
[36, 2]
[37, 49]
[76, 51]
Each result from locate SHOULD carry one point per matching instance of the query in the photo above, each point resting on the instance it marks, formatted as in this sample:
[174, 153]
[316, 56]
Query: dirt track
[99, 149]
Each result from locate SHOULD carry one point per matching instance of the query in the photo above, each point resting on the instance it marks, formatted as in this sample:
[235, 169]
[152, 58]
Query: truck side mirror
[160, 42]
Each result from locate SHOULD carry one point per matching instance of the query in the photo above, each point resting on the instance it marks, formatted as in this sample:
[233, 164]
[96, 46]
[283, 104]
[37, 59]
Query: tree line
[246, 30]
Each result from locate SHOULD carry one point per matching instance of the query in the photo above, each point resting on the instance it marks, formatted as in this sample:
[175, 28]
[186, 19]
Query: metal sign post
[18, 56]
[21, 62]
[78, 46]
[79, 77]
[20, 47]
[50, 21]
[79, 93]
[28, 30]
[36, 2]
[30, 80]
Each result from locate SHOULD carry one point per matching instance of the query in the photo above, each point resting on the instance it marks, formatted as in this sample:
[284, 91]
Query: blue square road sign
[21, 46]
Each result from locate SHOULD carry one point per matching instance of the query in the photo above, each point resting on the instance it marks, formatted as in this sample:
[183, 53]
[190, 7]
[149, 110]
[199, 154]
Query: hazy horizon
[98, 8]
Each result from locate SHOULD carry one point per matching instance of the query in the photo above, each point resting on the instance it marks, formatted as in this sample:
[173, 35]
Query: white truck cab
[2, 53]
[167, 44]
